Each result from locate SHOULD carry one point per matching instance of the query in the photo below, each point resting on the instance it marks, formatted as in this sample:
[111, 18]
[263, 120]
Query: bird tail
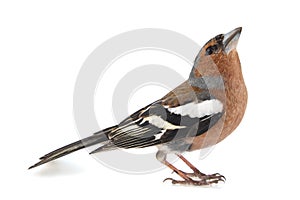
[96, 138]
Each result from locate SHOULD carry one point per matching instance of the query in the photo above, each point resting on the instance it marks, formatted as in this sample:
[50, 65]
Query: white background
[42, 48]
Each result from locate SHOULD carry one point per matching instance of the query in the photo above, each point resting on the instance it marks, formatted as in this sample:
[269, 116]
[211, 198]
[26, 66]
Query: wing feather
[172, 117]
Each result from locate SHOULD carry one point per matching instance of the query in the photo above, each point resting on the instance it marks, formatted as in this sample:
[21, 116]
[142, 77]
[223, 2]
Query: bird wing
[172, 117]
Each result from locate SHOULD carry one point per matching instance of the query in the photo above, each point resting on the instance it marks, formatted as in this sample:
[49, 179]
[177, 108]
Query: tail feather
[72, 145]
[96, 138]
[106, 147]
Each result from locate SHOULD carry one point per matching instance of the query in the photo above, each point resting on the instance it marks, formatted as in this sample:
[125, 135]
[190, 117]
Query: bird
[197, 114]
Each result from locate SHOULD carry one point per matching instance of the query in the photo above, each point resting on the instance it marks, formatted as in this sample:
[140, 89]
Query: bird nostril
[219, 38]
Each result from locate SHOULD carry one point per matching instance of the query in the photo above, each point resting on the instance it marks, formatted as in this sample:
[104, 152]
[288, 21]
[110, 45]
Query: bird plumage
[200, 112]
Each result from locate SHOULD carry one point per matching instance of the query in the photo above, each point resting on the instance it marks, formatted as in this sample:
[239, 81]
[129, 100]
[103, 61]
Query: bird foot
[204, 176]
[203, 179]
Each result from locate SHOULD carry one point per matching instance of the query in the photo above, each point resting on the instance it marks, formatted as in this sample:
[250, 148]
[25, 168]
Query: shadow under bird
[199, 113]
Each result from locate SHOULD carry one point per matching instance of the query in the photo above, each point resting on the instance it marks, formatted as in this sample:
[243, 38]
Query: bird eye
[211, 49]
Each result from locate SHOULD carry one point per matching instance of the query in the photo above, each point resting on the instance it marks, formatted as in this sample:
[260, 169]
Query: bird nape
[212, 100]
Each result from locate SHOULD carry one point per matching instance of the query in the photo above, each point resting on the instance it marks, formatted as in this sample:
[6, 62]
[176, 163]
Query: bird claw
[217, 175]
[204, 180]
[200, 175]
[168, 179]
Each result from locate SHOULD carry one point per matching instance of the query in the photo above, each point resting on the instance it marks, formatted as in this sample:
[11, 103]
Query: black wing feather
[131, 133]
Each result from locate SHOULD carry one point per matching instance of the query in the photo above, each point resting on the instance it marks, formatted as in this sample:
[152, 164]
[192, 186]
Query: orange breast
[235, 101]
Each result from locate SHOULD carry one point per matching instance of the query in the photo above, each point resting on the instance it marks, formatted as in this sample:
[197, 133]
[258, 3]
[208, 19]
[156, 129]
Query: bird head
[217, 55]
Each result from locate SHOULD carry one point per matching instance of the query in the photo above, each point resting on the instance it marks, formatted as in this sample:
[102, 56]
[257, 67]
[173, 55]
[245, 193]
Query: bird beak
[231, 39]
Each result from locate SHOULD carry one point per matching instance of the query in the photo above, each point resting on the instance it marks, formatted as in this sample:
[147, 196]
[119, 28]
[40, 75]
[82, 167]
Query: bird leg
[182, 174]
[196, 172]
[203, 178]
[187, 180]
[206, 179]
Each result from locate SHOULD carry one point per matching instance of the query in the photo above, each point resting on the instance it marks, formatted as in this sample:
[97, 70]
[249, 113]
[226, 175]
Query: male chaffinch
[199, 113]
